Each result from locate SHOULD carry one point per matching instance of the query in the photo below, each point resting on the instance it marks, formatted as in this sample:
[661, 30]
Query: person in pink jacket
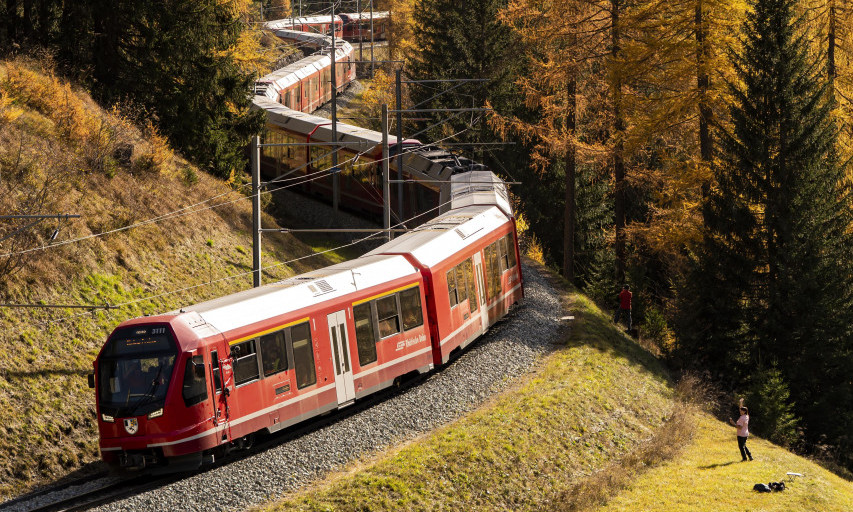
[742, 425]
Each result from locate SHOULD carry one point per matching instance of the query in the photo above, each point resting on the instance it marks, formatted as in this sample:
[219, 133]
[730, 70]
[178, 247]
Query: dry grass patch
[60, 153]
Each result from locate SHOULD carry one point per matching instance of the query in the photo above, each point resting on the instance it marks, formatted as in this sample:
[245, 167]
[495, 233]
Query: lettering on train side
[411, 341]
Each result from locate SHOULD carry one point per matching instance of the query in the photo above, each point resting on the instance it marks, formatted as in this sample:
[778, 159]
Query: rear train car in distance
[350, 26]
[178, 389]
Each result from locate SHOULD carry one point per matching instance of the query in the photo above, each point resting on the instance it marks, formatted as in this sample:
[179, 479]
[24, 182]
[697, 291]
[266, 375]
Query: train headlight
[107, 418]
[155, 414]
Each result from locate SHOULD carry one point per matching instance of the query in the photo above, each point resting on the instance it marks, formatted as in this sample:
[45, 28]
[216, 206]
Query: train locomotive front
[153, 395]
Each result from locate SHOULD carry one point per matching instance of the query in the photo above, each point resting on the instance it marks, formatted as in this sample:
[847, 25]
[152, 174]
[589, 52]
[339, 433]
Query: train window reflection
[303, 355]
[410, 304]
[273, 353]
[389, 319]
[195, 382]
[245, 362]
[364, 333]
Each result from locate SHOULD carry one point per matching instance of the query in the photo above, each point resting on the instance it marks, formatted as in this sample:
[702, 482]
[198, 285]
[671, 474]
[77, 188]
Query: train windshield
[134, 371]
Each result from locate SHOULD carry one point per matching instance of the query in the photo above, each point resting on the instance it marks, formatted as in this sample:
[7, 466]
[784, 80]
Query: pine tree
[771, 411]
[461, 40]
[774, 276]
[464, 40]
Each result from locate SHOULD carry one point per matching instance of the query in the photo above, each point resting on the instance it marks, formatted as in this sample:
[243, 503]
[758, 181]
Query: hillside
[599, 424]
[154, 233]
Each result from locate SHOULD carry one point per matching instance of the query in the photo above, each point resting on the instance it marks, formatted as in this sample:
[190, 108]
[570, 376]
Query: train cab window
[195, 383]
[389, 318]
[273, 353]
[217, 373]
[245, 362]
[410, 304]
[303, 355]
[451, 287]
[287, 101]
[365, 334]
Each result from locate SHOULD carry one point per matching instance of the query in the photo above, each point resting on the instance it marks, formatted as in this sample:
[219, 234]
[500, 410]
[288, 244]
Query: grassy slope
[708, 476]
[596, 401]
[52, 133]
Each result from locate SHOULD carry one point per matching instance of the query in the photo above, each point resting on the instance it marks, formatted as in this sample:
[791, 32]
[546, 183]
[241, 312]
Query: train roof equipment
[478, 209]
[249, 307]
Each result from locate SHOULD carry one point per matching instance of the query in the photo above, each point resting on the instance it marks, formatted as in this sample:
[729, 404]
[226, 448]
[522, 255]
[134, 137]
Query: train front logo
[131, 425]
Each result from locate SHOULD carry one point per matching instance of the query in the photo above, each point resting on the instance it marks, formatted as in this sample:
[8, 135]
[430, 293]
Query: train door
[481, 291]
[220, 404]
[341, 357]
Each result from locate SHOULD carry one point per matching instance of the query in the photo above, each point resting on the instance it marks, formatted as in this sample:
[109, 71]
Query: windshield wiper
[149, 396]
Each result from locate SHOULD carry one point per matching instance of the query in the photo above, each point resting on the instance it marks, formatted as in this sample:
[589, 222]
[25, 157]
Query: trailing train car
[177, 389]
[469, 258]
[307, 84]
[359, 160]
[349, 26]
[425, 167]
[356, 26]
[315, 24]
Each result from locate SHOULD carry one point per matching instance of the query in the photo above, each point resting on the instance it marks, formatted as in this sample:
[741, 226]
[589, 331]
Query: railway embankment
[154, 233]
[598, 425]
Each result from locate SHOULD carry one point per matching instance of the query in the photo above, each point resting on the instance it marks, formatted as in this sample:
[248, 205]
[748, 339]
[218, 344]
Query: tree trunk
[830, 51]
[12, 20]
[703, 84]
[569, 220]
[619, 144]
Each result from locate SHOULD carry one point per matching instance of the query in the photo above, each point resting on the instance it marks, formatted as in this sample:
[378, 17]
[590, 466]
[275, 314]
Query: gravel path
[509, 349]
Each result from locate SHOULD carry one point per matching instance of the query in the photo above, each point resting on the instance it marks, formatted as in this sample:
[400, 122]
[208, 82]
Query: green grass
[709, 477]
[47, 411]
[599, 426]
[593, 400]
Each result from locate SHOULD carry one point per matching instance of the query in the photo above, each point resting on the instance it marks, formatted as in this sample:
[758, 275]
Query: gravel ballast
[508, 350]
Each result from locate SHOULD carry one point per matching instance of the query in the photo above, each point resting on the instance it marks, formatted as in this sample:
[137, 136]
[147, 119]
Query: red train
[177, 389]
[351, 26]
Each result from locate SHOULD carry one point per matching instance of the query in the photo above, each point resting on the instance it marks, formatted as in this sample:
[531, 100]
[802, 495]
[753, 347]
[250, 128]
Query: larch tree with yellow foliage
[174, 60]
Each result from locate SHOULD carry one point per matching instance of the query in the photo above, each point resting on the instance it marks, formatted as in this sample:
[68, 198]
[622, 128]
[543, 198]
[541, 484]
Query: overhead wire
[222, 279]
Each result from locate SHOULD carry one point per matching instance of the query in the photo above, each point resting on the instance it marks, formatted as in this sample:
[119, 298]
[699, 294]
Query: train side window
[504, 259]
[472, 294]
[303, 355]
[451, 287]
[245, 362]
[410, 304]
[510, 247]
[273, 353]
[492, 270]
[461, 286]
[365, 334]
[195, 382]
[389, 318]
[217, 373]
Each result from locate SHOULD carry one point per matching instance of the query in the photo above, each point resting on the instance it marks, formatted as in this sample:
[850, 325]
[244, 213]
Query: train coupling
[137, 461]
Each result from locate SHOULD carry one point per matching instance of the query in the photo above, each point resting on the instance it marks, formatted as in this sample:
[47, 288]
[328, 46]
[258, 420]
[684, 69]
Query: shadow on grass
[718, 465]
[598, 330]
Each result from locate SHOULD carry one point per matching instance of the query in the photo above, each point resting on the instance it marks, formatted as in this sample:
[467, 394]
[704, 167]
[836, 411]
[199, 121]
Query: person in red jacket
[624, 310]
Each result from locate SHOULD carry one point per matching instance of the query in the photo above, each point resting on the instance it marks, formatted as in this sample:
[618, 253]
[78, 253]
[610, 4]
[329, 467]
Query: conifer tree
[464, 40]
[774, 278]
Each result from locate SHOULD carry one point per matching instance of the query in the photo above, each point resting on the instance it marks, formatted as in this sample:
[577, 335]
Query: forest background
[696, 150]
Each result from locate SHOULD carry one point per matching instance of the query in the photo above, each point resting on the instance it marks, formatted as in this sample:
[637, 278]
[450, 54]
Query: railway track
[104, 488]
[86, 493]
